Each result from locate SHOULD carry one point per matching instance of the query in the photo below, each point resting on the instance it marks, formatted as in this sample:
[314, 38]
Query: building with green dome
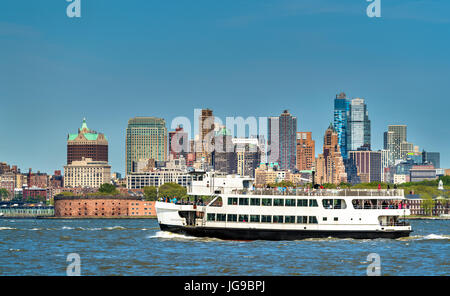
[86, 143]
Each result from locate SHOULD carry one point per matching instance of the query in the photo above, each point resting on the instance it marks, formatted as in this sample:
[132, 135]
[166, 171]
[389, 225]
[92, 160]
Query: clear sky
[240, 58]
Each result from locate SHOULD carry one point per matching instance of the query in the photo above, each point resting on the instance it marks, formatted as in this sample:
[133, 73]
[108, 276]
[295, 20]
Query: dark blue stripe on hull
[269, 234]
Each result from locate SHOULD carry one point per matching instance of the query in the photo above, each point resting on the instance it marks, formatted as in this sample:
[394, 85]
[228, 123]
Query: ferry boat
[238, 211]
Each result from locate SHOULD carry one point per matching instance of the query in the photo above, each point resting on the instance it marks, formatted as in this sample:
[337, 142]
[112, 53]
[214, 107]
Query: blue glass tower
[341, 109]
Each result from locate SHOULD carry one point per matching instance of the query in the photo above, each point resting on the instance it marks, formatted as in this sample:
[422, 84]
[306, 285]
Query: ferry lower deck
[279, 234]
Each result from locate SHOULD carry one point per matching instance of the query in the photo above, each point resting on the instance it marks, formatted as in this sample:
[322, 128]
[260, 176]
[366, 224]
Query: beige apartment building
[87, 173]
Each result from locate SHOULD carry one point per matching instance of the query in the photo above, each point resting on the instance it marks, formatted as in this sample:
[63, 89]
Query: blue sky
[240, 58]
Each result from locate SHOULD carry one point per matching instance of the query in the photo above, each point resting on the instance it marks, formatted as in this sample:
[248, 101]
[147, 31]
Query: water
[138, 247]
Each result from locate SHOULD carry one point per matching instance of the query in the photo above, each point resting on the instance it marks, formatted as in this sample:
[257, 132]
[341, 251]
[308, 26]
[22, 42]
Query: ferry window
[221, 217]
[254, 218]
[266, 201]
[217, 202]
[277, 219]
[334, 204]
[339, 204]
[211, 217]
[243, 218]
[302, 219]
[327, 203]
[266, 219]
[290, 202]
[278, 202]
[302, 202]
[312, 219]
[313, 203]
[243, 201]
[335, 218]
[255, 201]
[232, 201]
[231, 217]
[289, 219]
[324, 219]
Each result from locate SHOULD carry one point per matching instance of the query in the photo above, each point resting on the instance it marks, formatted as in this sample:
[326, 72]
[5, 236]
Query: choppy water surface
[138, 247]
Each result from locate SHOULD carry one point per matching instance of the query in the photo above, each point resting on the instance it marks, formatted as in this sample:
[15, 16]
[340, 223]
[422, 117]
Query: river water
[137, 247]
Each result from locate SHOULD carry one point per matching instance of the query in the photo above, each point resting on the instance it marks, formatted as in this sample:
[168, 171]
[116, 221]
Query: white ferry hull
[278, 234]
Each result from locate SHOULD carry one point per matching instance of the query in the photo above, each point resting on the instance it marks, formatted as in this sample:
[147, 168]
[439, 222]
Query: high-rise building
[206, 136]
[432, 157]
[248, 158]
[87, 143]
[368, 164]
[393, 138]
[405, 149]
[305, 151]
[224, 154]
[282, 140]
[146, 139]
[330, 164]
[358, 126]
[341, 110]
[385, 163]
[178, 143]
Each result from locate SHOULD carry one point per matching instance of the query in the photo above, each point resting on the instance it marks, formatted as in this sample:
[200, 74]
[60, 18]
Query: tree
[170, 190]
[4, 194]
[150, 193]
[108, 189]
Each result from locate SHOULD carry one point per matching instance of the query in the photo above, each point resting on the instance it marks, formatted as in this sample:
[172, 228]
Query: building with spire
[330, 165]
[86, 143]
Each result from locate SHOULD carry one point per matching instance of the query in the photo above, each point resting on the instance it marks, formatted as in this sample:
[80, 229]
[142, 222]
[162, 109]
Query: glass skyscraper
[146, 139]
[358, 126]
[341, 109]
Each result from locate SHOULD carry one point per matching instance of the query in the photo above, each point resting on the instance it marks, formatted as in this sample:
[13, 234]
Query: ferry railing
[403, 223]
[380, 207]
[322, 192]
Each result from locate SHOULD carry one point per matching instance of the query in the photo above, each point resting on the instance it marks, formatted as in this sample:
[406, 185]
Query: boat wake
[171, 235]
[176, 236]
[426, 237]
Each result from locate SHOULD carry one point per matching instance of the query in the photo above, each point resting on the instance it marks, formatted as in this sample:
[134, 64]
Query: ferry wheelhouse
[238, 211]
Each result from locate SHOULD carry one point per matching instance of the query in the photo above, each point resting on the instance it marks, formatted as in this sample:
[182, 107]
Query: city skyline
[238, 60]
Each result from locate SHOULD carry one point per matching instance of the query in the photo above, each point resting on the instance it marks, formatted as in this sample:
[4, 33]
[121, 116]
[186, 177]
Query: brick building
[102, 206]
